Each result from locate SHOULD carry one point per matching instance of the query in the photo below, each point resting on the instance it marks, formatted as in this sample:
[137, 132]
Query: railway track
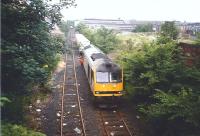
[113, 123]
[72, 122]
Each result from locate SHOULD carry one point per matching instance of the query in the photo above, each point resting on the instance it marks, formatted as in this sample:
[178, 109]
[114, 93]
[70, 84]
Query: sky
[153, 10]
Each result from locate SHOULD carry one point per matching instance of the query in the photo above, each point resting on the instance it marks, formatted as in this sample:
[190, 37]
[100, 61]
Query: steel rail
[62, 99]
[104, 127]
[119, 117]
[78, 97]
[126, 126]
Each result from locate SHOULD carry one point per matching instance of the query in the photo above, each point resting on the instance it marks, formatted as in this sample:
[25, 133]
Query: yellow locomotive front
[104, 76]
[108, 80]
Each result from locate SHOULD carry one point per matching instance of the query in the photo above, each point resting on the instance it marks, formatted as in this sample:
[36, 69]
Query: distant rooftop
[116, 24]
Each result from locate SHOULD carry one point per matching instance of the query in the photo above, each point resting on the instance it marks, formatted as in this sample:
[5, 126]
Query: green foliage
[131, 41]
[65, 26]
[185, 104]
[198, 38]
[3, 100]
[83, 29]
[144, 28]
[18, 130]
[168, 32]
[166, 90]
[144, 66]
[28, 50]
[175, 114]
[104, 39]
[15, 107]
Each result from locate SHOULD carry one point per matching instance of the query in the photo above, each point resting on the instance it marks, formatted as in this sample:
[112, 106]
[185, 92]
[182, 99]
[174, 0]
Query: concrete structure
[190, 28]
[116, 24]
[129, 25]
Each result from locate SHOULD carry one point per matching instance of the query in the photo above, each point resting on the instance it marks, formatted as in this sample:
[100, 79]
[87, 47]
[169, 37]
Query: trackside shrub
[166, 91]
[18, 130]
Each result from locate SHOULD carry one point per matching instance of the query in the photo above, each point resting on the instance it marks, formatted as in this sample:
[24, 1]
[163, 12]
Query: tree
[81, 28]
[165, 90]
[3, 100]
[18, 130]
[65, 26]
[105, 39]
[29, 52]
[198, 38]
[144, 28]
[168, 32]
[86, 31]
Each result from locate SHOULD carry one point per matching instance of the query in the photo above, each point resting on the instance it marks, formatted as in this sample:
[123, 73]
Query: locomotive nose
[114, 86]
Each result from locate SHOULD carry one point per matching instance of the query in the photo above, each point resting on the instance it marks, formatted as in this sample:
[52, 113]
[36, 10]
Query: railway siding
[113, 123]
[71, 117]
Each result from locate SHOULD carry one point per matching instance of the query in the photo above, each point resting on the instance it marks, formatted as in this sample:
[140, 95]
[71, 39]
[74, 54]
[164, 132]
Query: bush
[29, 52]
[144, 28]
[166, 91]
[18, 130]
[3, 100]
[105, 39]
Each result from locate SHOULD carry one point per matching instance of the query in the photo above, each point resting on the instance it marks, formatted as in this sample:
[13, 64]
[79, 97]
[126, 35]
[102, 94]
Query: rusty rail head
[118, 118]
[63, 90]
[104, 127]
[78, 97]
[126, 126]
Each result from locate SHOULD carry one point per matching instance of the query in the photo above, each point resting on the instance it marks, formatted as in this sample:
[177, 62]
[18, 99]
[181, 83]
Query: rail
[66, 90]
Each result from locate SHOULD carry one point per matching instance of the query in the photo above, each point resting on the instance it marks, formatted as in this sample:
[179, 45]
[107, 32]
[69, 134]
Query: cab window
[102, 77]
[115, 76]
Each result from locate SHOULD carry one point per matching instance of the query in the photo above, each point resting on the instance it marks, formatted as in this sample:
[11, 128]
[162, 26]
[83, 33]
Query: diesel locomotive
[104, 76]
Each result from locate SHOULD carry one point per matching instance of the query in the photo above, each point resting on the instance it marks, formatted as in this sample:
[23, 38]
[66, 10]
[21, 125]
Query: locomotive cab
[108, 81]
[104, 76]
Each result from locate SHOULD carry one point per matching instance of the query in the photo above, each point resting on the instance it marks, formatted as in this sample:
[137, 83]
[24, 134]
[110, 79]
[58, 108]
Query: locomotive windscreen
[102, 77]
[116, 76]
[108, 72]
[106, 77]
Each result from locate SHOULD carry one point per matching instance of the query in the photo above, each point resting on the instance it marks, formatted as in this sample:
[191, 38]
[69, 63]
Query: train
[104, 76]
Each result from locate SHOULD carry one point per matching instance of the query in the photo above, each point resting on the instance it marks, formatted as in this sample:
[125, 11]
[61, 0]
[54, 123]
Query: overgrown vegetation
[144, 28]
[18, 130]
[3, 101]
[164, 88]
[168, 32]
[65, 26]
[105, 39]
[29, 54]
[198, 38]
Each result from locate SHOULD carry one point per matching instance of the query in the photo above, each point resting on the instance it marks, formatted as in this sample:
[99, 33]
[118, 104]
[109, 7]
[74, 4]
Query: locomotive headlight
[97, 92]
[120, 92]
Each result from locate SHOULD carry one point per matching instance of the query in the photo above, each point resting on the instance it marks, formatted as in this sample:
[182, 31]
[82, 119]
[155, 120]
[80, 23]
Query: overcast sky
[180, 10]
